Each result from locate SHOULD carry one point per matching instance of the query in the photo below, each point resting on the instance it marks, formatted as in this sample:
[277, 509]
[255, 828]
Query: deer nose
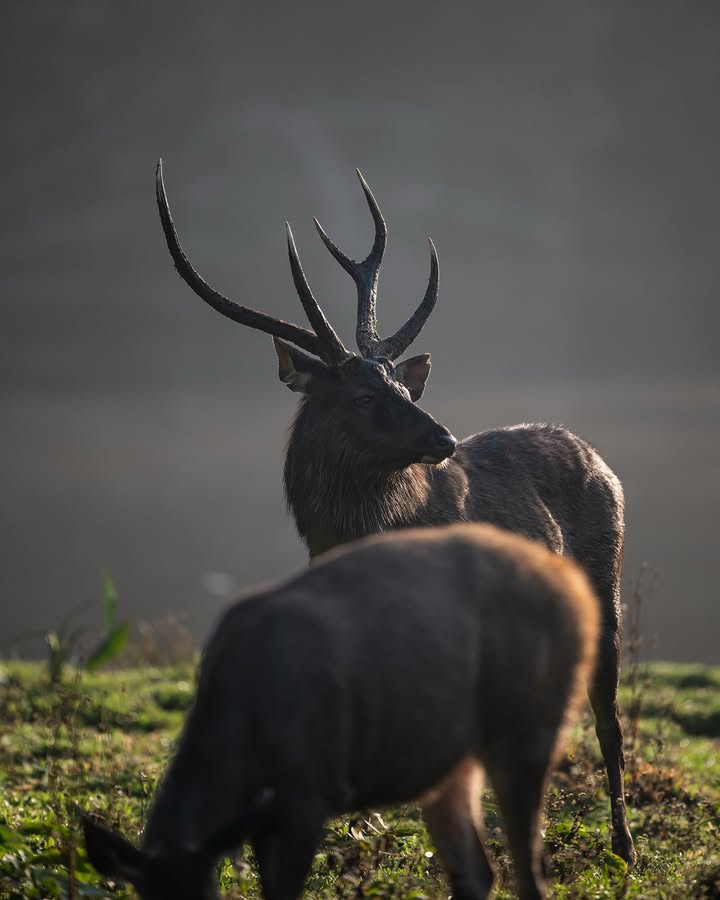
[447, 443]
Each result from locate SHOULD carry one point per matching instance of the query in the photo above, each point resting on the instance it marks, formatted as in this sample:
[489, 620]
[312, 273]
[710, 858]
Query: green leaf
[109, 648]
[109, 601]
[44, 828]
[614, 863]
[9, 839]
[51, 857]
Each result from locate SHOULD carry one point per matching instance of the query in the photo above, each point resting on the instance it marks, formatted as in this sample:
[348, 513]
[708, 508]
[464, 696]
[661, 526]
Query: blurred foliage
[66, 643]
[116, 633]
[102, 740]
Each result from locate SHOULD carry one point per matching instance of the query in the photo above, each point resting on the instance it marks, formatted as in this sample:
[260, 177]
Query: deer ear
[298, 370]
[111, 854]
[413, 373]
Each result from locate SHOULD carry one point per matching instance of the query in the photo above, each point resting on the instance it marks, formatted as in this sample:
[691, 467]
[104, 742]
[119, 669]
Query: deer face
[369, 404]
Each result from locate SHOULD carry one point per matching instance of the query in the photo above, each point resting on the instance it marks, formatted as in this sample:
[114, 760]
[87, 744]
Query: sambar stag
[363, 458]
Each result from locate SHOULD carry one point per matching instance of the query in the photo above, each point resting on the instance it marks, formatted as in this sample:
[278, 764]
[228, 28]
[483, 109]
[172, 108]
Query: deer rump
[395, 669]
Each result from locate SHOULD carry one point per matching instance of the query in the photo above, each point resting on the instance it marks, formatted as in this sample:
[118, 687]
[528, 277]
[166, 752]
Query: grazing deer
[400, 667]
[362, 458]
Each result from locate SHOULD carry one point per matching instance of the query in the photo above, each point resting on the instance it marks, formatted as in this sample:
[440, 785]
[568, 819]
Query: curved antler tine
[375, 256]
[381, 232]
[398, 343]
[297, 335]
[350, 266]
[366, 281]
[333, 346]
[364, 274]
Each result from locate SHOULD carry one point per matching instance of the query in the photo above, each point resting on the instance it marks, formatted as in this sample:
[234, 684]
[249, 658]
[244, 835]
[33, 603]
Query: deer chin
[431, 459]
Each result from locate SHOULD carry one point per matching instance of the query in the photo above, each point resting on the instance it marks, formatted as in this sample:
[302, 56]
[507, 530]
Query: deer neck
[211, 777]
[337, 494]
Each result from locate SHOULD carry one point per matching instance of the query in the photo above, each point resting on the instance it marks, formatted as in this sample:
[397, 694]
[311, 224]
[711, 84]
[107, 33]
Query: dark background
[564, 158]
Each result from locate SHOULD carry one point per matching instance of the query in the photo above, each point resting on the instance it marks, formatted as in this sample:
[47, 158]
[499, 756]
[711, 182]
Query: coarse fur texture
[403, 667]
[362, 458]
[350, 472]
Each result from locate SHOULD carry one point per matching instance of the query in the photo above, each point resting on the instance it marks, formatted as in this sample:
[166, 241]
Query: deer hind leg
[603, 698]
[517, 768]
[602, 555]
[285, 851]
[453, 817]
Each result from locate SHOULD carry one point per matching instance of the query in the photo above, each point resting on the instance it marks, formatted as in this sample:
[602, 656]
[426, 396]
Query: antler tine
[334, 347]
[365, 274]
[297, 335]
[381, 232]
[398, 343]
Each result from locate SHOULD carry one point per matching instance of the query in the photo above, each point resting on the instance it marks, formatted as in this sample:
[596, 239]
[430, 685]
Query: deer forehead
[374, 372]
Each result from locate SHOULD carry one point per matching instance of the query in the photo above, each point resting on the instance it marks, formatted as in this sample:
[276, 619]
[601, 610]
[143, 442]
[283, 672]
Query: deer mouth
[434, 459]
[445, 446]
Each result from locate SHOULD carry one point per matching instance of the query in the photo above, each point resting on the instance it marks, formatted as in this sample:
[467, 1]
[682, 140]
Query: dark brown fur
[537, 480]
[363, 458]
[399, 668]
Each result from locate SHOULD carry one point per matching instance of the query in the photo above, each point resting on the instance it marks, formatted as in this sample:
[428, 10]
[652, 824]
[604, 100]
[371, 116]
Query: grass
[101, 740]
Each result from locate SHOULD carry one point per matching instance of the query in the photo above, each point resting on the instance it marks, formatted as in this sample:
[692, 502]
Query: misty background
[563, 156]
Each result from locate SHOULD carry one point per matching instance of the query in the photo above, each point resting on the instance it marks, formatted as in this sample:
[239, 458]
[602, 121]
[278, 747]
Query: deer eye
[364, 400]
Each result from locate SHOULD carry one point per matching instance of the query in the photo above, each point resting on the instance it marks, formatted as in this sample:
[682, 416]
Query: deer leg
[517, 768]
[602, 557]
[285, 852]
[454, 820]
[603, 698]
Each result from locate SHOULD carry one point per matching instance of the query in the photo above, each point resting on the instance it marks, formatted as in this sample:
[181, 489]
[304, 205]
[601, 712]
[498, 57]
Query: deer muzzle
[442, 446]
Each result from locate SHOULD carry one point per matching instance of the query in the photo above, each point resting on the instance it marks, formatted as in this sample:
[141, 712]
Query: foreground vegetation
[100, 741]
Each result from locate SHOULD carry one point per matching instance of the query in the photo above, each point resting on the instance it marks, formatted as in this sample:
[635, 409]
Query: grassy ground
[101, 741]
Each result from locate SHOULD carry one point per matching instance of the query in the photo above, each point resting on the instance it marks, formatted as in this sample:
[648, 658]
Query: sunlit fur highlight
[399, 668]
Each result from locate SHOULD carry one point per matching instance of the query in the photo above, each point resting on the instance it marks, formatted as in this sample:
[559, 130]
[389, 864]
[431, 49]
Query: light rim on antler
[323, 329]
[366, 274]
[245, 315]
[398, 343]
[323, 341]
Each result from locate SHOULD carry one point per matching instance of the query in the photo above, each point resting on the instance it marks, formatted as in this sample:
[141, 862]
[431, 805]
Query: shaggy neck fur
[337, 493]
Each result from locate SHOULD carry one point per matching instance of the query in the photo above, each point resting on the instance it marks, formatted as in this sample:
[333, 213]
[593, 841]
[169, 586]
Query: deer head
[187, 876]
[368, 396]
[177, 873]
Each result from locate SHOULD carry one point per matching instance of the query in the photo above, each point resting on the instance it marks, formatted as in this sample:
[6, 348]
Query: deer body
[399, 668]
[364, 458]
[492, 477]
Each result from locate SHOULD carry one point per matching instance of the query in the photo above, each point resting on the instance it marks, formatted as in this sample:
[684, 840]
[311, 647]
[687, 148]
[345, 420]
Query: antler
[365, 275]
[398, 343]
[324, 342]
[316, 317]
